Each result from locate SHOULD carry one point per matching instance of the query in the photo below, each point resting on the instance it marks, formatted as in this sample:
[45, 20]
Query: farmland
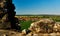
[26, 20]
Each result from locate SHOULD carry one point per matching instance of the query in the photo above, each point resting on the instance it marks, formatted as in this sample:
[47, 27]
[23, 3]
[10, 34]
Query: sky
[37, 7]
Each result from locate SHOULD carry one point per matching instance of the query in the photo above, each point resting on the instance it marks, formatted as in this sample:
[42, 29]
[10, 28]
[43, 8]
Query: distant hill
[38, 15]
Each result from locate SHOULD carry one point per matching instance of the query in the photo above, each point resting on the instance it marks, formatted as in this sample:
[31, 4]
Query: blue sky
[37, 6]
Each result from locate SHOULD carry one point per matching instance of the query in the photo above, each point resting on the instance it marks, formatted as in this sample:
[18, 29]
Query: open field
[26, 20]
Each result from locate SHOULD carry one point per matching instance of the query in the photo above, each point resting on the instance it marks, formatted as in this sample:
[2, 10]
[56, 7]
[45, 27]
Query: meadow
[26, 20]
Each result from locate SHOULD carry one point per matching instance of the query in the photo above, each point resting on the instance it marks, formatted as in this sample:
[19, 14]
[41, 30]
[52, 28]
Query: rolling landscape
[26, 20]
[29, 17]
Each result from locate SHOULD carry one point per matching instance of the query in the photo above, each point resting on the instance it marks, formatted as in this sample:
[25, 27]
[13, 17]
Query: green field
[25, 24]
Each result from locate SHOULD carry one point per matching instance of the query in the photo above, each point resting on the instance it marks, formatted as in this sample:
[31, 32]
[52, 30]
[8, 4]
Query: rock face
[7, 15]
[43, 26]
[56, 27]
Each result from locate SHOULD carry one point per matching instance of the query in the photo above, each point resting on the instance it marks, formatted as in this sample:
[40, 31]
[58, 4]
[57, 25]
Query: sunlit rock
[43, 25]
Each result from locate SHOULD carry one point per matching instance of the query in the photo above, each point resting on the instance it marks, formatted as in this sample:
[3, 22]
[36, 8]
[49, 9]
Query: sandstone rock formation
[56, 27]
[7, 15]
[44, 25]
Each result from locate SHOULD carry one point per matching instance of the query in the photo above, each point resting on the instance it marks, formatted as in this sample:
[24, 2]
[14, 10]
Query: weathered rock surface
[8, 21]
[37, 29]
[7, 15]
[44, 25]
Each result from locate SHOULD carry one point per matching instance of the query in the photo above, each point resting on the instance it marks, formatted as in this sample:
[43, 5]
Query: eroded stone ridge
[7, 15]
